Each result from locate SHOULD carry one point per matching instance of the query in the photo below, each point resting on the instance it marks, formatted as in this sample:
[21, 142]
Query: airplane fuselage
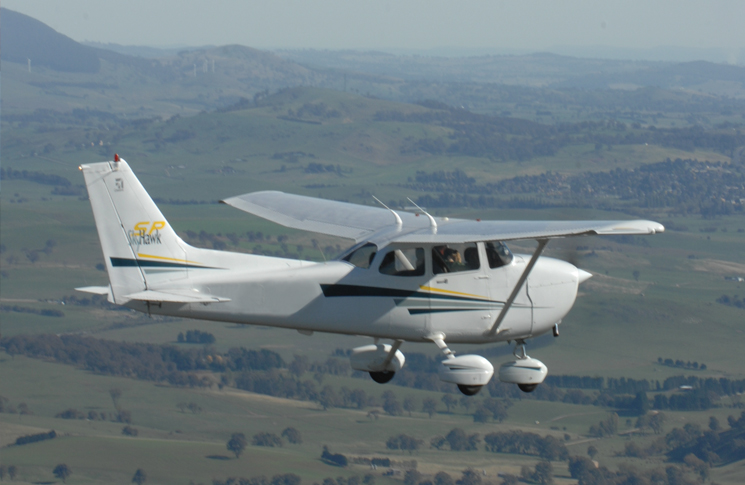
[339, 297]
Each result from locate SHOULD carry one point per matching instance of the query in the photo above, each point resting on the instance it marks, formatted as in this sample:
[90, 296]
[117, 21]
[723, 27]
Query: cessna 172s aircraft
[410, 277]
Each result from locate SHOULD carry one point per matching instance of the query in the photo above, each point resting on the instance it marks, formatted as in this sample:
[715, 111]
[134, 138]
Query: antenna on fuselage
[399, 222]
[432, 222]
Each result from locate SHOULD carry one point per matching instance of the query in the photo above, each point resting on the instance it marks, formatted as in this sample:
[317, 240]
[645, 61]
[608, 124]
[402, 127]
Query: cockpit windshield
[362, 256]
[498, 254]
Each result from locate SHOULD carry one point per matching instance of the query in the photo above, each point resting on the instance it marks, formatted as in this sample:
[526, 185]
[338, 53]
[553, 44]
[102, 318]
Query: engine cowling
[467, 370]
[526, 373]
[371, 358]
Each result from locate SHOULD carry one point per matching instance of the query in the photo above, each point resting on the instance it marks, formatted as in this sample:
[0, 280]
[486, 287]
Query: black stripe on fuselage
[143, 263]
[330, 291]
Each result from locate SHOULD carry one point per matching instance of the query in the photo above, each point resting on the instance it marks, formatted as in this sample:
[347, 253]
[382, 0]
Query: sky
[533, 25]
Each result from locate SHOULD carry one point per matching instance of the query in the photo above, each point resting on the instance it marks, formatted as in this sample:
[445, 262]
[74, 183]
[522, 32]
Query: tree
[449, 401]
[292, 435]
[544, 473]
[714, 424]
[469, 477]
[437, 442]
[62, 471]
[139, 477]
[266, 439]
[429, 406]
[237, 444]
[393, 407]
[481, 415]
[592, 452]
[299, 365]
[640, 405]
[442, 478]
[327, 398]
[409, 405]
[656, 422]
[12, 472]
[115, 395]
[636, 274]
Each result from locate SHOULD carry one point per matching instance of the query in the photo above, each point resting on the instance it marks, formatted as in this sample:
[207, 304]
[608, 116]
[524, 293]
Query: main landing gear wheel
[527, 387]
[469, 390]
[382, 377]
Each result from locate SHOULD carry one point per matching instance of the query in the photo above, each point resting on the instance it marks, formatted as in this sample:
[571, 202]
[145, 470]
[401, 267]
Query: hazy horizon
[665, 30]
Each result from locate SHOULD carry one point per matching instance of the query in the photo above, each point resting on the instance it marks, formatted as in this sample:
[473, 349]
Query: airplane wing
[361, 222]
[342, 219]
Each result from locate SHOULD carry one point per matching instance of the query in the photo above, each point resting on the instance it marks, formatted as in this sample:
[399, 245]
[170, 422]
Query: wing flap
[473, 231]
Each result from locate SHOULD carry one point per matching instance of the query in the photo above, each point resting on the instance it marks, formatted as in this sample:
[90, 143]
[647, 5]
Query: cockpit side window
[362, 256]
[403, 262]
[498, 254]
[452, 258]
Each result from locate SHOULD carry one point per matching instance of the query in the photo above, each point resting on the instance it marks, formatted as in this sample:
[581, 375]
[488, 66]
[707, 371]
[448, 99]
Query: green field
[619, 326]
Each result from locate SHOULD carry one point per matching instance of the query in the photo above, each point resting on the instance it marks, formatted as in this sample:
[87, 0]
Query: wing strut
[523, 277]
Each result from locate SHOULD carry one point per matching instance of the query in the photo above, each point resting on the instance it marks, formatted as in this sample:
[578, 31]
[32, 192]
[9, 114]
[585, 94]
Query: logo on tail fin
[145, 233]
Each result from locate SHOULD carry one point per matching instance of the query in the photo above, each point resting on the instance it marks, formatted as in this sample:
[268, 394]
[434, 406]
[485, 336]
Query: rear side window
[403, 262]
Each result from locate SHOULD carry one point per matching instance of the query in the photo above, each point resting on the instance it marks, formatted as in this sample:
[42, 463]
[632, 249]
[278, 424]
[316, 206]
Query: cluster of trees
[713, 446]
[238, 442]
[196, 337]
[36, 177]
[525, 443]
[314, 110]
[314, 167]
[584, 470]
[336, 459]
[501, 138]
[280, 479]
[292, 479]
[734, 301]
[34, 438]
[121, 415]
[606, 427]
[686, 186]
[10, 470]
[457, 440]
[404, 442]
[681, 364]
[143, 361]
[6, 407]
[44, 312]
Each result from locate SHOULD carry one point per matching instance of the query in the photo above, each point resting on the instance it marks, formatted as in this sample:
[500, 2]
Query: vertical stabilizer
[139, 246]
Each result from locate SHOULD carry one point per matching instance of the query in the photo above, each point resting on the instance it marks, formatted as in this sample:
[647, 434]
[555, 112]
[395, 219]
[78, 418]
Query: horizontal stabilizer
[96, 290]
[175, 296]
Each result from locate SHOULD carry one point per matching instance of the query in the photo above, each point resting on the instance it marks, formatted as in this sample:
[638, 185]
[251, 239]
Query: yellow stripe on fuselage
[450, 292]
[163, 258]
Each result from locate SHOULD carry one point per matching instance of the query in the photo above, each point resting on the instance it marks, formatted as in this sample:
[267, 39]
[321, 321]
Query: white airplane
[410, 277]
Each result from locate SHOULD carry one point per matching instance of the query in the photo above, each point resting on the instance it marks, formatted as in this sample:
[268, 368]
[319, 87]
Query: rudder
[139, 246]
